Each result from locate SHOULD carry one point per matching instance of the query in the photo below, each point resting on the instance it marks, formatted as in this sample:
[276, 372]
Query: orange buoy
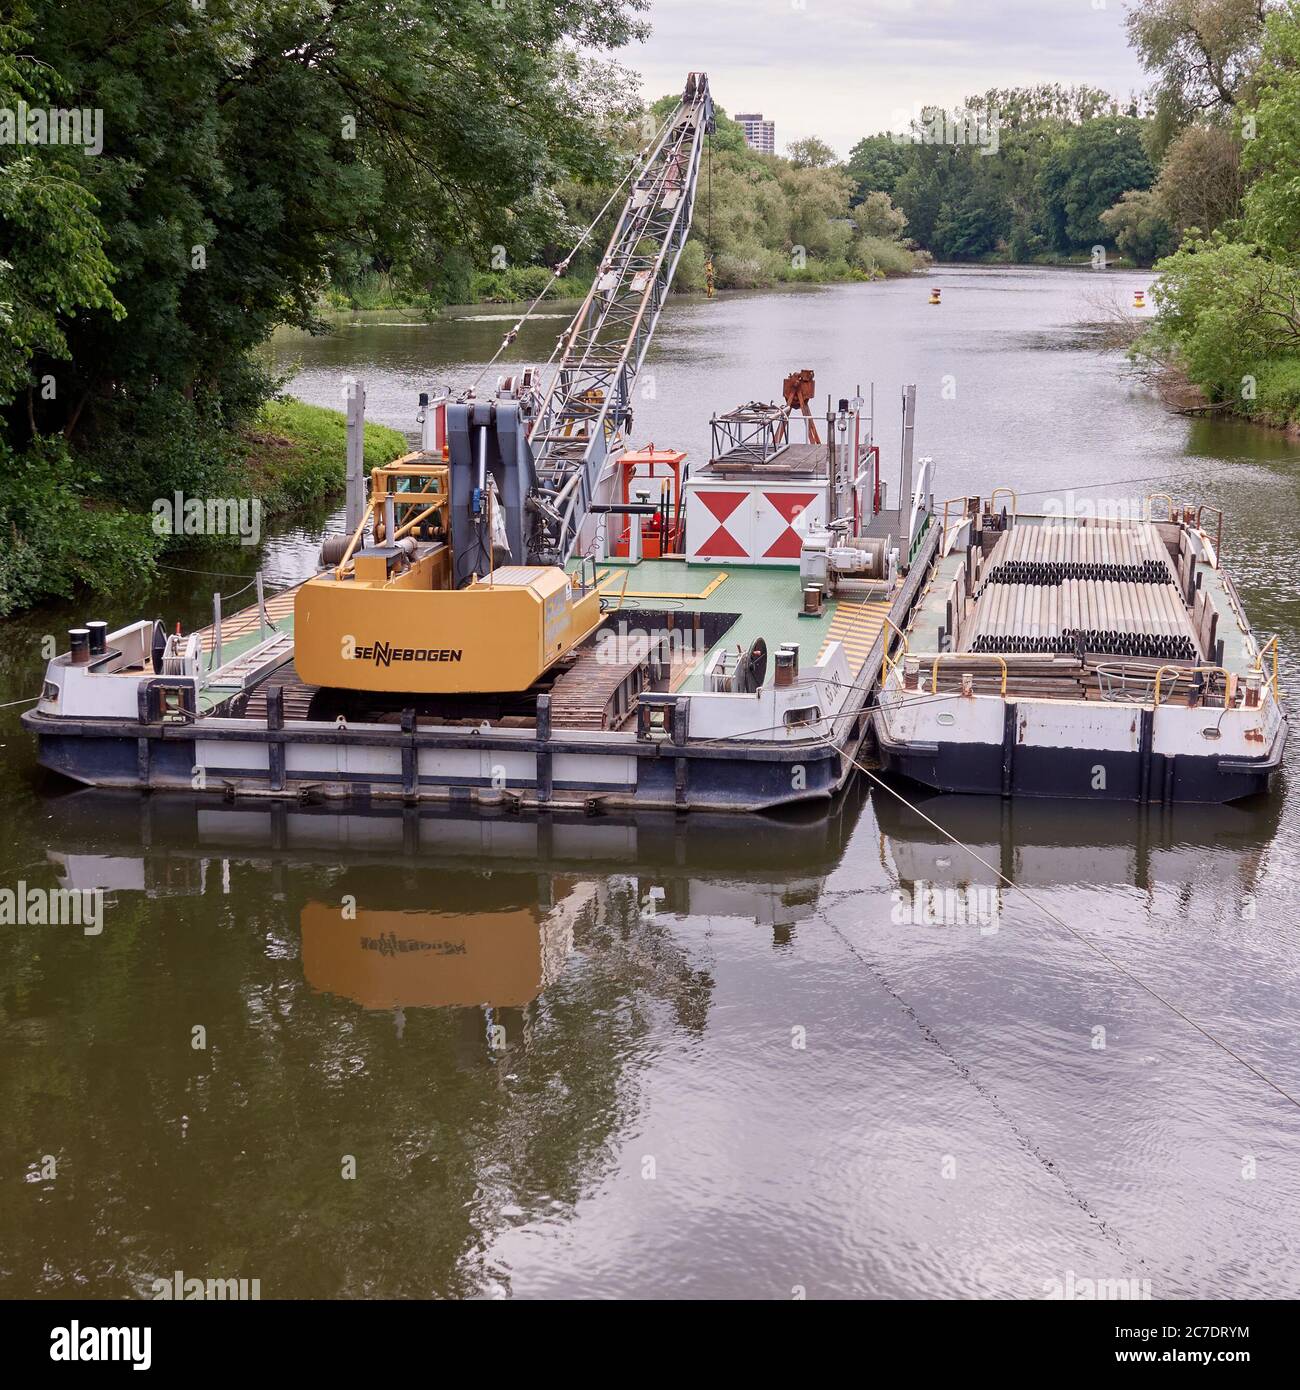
[934, 296]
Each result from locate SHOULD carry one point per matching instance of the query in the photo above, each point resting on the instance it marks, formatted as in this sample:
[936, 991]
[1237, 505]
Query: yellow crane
[455, 581]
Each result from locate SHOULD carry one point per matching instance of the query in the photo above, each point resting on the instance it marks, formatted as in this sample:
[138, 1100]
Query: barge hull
[1071, 773]
[322, 763]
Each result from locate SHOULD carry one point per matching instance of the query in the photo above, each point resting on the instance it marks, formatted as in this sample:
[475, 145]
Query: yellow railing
[1180, 671]
[967, 656]
[887, 663]
[1218, 530]
[1160, 497]
[954, 501]
[1269, 646]
[380, 492]
[960, 520]
[341, 568]
[997, 491]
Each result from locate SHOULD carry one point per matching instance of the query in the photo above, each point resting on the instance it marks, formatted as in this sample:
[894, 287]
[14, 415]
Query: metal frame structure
[753, 433]
[588, 404]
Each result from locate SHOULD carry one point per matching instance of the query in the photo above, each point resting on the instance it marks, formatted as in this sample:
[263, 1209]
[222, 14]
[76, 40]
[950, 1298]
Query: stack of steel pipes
[1050, 553]
[1063, 588]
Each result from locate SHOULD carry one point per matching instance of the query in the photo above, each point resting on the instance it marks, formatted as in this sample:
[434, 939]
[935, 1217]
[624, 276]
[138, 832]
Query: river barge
[1084, 657]
[756, 640]
[742, 612]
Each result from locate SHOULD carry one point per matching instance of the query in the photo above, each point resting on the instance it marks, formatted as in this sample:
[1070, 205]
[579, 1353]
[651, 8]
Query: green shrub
[879, 257]
[690, 269]
[524, 282]
[51, 539]
[1223, 307]
[1277, 392]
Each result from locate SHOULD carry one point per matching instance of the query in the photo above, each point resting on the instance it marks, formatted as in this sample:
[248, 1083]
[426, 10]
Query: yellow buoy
[1139, 299]
[934, 296]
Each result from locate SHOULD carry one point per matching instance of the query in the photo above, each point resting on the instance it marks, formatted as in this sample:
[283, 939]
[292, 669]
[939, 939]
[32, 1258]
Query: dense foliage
[1016, 174]
[250, 154]
[1229, 303]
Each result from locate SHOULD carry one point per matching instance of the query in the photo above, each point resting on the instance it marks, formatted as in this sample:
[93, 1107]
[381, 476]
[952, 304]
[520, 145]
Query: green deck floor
[768, 600]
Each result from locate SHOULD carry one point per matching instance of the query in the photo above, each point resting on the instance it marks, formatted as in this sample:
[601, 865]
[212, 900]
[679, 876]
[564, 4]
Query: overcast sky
[842, 69]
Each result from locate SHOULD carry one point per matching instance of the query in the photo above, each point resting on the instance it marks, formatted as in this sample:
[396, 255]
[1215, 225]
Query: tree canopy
[248, 154]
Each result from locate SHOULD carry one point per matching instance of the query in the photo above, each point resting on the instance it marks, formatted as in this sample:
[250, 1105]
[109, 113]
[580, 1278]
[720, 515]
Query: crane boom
[588, 404]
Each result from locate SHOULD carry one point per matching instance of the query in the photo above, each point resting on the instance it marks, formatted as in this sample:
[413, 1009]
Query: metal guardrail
[1180, 671]
[1218, 534]
[1270, 646]
[887, 663]
[967, 656]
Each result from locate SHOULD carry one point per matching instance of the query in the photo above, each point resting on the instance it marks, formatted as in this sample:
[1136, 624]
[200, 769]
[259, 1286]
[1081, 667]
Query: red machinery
[653, 476]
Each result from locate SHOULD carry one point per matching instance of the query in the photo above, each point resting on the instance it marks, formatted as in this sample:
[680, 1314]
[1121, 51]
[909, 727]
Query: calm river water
[409, 1055]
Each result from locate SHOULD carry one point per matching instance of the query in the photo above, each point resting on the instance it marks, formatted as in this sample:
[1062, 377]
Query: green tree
[254, 147]
[921, 188]
[972, 220]
[876, 216]
[1200, 182]
[1018, 107]
[811, 153]
[1202, 52]
[1272, 204]
[255, 152]
[52, 261]
[1203, 55]
[875, 164]
[1224, 309]
[1139, 227]
[1088, 170]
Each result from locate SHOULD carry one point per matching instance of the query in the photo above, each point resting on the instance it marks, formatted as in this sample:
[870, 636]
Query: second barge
[1083, 657]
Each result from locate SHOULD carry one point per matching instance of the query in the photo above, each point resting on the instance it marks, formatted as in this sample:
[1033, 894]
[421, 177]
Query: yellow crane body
[386, 617]
[498, 634]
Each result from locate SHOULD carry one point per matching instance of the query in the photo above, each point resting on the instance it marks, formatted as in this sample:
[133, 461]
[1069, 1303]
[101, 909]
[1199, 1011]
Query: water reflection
[1077, 844]
[506, 1018]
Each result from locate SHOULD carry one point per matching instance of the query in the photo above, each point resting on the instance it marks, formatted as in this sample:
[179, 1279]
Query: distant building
[759, 134]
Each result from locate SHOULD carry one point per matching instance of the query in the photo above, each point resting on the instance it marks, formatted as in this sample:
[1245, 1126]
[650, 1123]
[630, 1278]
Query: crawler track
[597, 693]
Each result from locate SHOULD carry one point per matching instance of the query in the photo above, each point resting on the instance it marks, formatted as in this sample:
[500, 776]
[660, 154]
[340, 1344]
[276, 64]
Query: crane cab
[649, 478]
